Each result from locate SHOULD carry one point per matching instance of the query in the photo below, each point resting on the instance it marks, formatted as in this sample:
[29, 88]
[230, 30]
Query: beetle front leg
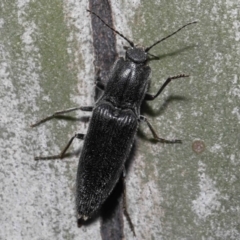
[100, 85]
[98, 80]
[62, 153]
[150, 97]
[156, 137]
[85, 108]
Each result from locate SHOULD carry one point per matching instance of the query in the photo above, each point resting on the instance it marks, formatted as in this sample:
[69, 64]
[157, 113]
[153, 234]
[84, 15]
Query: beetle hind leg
[62, 153]
[156, 137]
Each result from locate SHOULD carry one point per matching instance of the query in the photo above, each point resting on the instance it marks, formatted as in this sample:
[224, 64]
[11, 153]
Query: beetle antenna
[147, 49]
[114, 30]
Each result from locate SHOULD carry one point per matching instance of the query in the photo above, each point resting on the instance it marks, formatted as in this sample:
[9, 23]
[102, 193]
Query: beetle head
[136, 54]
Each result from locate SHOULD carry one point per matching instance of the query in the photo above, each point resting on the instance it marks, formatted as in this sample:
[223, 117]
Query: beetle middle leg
[100, 85]
[156, 137]
[61, 154]
[85, 108]
[150, 97]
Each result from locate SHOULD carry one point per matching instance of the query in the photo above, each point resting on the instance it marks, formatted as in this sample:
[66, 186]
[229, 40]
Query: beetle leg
[100, 85]
[85, 108]
[162, 140]
[98, 80]
[150, 97]
[62, 153]
[125, 202]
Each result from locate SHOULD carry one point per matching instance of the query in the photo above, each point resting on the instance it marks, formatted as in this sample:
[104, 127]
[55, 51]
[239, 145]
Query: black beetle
[113, 126]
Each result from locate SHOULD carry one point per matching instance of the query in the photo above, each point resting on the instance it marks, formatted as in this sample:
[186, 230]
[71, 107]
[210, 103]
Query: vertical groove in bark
[104, 43]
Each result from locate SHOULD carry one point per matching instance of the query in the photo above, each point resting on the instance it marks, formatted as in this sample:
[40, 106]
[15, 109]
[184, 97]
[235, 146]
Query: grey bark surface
[180, 191]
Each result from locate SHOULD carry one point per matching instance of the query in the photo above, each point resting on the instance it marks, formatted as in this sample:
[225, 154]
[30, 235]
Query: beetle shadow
[113, 206]
[131, 156]
[111, 211]
[177, 52]
[146, 108]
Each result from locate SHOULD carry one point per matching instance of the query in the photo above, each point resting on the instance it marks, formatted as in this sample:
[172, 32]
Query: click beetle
[113, 126]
